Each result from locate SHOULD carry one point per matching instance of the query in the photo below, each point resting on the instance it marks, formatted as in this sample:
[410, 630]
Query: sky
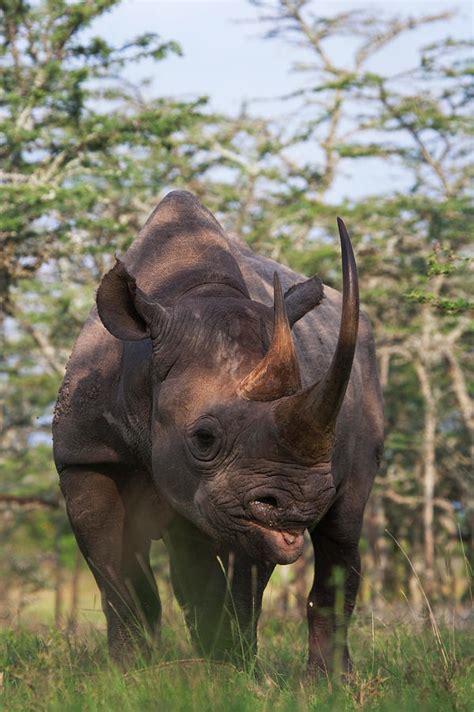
[226, 58]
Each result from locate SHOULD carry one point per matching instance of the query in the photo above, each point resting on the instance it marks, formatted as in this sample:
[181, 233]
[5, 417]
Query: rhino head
[239, 447]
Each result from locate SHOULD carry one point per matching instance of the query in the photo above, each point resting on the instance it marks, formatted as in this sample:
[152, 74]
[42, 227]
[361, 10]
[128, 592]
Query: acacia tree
[411, 242]
[83, 157]
[74, 181]
[433, 118]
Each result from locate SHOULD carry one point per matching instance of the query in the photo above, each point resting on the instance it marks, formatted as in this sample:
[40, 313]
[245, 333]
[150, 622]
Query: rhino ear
[302, 297]
[123, 308]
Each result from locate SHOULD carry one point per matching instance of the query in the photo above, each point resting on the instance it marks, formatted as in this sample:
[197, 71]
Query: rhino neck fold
[207, 287]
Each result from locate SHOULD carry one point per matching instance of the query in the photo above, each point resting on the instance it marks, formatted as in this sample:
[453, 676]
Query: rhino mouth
[284, 538]
[282, 533]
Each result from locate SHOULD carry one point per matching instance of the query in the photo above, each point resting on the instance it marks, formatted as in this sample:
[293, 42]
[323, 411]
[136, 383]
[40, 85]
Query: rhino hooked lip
[282, 533]
[283, 547]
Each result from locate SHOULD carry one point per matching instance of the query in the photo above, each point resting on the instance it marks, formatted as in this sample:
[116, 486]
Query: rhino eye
[204, 439]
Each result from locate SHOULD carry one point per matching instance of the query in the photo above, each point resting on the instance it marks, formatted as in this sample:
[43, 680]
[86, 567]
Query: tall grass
[402, 662]
[399, 667]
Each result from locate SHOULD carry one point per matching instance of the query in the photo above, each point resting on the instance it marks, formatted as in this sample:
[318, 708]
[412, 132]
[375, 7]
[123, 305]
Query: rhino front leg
[221, 596]
[111, 534]
[331, 600]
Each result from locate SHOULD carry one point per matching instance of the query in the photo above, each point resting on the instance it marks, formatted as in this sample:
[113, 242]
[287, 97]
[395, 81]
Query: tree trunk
[429, 473]
[429, 487]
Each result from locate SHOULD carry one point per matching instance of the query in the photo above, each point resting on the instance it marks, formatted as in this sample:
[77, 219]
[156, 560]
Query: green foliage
[445, 263]
[72, 132]
[448, 305]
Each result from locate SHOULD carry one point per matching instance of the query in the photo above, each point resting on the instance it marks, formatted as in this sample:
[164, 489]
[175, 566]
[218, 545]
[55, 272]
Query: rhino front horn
[307, 419]
[278, 373]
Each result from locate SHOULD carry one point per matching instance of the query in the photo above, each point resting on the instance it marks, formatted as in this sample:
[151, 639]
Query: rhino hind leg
[117, 552]
[221, 596]
[332, 597]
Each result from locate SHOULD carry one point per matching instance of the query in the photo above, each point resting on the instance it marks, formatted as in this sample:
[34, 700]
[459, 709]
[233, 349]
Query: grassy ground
[400, 667]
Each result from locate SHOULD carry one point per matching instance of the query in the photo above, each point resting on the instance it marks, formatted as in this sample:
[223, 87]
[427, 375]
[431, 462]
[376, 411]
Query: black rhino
[217, 401]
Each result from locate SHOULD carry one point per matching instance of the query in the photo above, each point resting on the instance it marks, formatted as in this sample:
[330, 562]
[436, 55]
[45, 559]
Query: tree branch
[26, 500]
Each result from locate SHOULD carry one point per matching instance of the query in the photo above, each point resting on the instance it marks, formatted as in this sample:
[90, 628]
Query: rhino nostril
[269, 501]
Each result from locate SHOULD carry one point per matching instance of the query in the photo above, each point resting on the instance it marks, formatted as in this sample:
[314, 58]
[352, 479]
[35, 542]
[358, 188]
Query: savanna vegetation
[85, 154]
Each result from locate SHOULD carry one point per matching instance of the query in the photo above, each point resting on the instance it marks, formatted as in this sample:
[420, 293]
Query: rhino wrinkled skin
[190, 412]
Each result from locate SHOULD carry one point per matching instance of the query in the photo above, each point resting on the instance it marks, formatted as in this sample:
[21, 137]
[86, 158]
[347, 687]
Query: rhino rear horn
[124, 309]
[278, 372]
